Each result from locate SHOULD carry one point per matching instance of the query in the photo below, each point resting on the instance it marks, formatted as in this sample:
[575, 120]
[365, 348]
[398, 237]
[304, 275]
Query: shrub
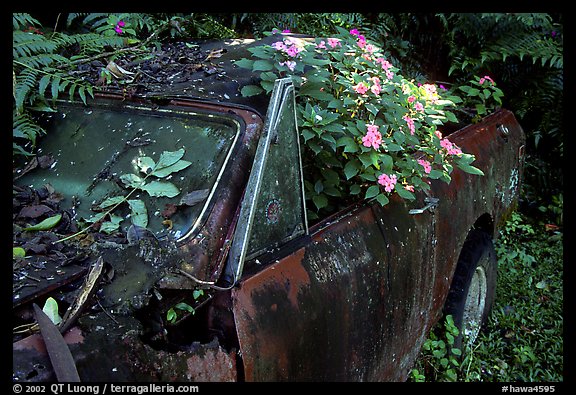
[367, 131]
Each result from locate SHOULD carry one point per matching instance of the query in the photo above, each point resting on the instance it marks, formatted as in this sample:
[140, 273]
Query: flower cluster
[387, 181]
[119, 25]
[373, 137]
[290, 49]
[365, 126]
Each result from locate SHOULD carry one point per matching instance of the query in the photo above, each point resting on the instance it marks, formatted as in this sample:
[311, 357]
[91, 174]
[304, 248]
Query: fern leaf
[21, 20]
[25, 82]
[24, 127]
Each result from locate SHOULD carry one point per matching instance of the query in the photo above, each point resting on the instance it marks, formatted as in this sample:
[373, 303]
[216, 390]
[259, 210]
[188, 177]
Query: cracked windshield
[131, 166]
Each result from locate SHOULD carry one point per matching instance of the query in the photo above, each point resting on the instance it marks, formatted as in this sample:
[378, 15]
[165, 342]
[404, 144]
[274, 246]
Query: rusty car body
[351, 297]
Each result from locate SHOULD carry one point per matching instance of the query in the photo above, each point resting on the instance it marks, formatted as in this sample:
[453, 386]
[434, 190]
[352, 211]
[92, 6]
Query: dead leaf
[118, 71]
[215, 53]
[34, 211]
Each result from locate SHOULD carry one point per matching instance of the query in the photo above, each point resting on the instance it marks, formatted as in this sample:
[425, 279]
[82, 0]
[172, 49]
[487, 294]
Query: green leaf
[184, 307]
[251, 90]
[404, 193]
[145, 164]
[131, 180]
[112, 225]
[382, 199]
[161, 189]
[166, 171]
[244, 63]
[18, 252]
[48, 223]
[51, 310]
[262, 65]
[320, 201]
[471, 169]
[168, 158]
[171, 315]
[372, 191]
[111, 201]
[351, 169]
[139, 213]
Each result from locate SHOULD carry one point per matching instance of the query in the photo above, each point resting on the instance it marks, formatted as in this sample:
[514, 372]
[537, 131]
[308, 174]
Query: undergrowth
[523, 341]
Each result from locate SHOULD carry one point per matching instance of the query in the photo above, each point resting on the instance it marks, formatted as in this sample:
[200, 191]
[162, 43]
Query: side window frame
[282, 94]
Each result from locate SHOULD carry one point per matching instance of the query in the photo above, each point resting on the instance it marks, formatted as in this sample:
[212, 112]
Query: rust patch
[214, 365]
[35, 342]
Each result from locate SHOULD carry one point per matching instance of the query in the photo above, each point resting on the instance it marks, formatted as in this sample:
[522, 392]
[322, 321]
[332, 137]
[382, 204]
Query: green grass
[523, 341]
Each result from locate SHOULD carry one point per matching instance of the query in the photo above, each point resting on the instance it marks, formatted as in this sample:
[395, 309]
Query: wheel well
[485, 223]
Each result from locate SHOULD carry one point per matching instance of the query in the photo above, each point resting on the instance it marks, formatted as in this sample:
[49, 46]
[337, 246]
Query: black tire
[473, 287]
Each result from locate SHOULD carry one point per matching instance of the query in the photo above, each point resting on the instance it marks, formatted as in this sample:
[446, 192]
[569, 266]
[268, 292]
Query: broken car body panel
[352, 298]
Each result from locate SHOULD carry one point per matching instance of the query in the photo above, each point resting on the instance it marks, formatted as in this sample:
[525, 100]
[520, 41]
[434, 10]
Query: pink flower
[121, 23]
[376, 88]
[387, 181]
[426, 165]
[384, 63]
[372, 128]
[409, 188]
[451, 149]
[334, 42]
[321, 45]
[370, 48]
[484, 79]
[373, 138]
[354, 32]
[410, 123]
[279, 45]
[361, 88]
[430, 93]
[118, 30]
[289, 63]
[418, 107]
[292, 51]
[411, 99]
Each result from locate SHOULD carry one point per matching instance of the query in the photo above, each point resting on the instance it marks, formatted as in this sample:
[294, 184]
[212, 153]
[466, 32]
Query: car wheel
[473, 288]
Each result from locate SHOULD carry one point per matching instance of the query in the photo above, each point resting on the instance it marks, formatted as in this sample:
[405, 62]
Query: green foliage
[169, 162]
[439, 360]
[367, 130]
[41, 65]
[523, 341]
[174, 313]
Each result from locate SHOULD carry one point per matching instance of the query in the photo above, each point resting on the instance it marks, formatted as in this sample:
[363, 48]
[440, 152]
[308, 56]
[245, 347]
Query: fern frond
[43, 60]
[25, 82]
[22, 20]
[89, 43]
[525, 44]
[27, 44]
[24, 127]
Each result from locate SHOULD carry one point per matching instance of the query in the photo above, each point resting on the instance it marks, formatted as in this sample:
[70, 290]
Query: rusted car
[237, 285]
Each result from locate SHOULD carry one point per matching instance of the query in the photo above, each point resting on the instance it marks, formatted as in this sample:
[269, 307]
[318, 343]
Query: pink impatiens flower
[119, 26]
[361, 88]
[484, 79]
[373, 138]
[451, 148]
[387, 181]
[426, 165]
[410, 123]
[334, 42]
